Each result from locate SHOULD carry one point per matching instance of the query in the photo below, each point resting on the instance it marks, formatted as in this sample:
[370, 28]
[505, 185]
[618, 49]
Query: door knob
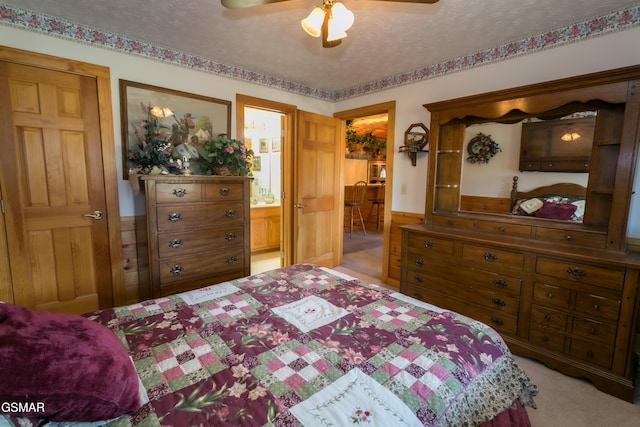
[298, 205]
[95, 215]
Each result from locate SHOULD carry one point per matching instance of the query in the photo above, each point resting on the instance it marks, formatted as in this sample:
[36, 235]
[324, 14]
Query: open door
[317, 194]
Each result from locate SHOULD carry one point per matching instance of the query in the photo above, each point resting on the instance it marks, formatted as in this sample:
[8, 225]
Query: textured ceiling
[387, 38]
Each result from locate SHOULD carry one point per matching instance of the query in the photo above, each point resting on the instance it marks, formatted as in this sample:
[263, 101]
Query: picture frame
[197, 117]
[275, 144]
[264, 145]
[257, 164]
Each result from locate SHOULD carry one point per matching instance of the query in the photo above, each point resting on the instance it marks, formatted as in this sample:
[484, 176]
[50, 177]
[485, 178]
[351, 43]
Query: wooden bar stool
[377, 204]
[355, 201]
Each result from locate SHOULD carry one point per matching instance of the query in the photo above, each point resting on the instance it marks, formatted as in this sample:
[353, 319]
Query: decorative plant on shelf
[226, 156]
[367, 141]
[152, 154]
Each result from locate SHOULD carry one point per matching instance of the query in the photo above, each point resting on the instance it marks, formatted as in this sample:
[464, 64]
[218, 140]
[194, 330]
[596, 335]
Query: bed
[564, 202]
[297, 346]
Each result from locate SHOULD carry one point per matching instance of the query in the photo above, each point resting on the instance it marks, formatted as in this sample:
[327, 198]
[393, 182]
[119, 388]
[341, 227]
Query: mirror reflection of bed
[551, 157]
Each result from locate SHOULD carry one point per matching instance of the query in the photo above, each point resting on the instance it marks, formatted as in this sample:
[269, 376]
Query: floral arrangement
[226, 156]
[481, 148]
[153, 150]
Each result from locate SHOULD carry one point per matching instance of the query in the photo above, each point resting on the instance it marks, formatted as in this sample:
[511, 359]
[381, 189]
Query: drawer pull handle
[498, 302]
[175, 244]
[596, 307]
[490, 256]
[496, 321]
[231, 260]
[590, 354]
[418, 279]
[502, 229]
[545, 339]
[568, 238]
[592, 331]
[230, 213]
[500, 283]
[429, 244]
[417, 295]
[231, 236]
[224, 191]
[175, 217]
[576, 273]
[547, 317]
[550, 295]
[176, 269]
[451, 222]
[179, 192]
[419, 263]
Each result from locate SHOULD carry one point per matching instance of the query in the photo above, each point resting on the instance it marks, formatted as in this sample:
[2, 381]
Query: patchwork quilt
[308, 346]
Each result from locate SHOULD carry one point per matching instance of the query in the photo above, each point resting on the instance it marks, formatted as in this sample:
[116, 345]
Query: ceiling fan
[331, 21]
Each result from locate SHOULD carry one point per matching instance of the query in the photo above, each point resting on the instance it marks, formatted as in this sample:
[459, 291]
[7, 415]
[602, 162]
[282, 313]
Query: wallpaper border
[32, 21]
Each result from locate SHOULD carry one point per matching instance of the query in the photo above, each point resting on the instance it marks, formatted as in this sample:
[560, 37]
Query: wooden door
[318, 182]
[52, 178]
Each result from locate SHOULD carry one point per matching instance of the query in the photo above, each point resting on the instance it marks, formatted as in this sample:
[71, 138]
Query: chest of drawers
[574, 310]
[198, 231]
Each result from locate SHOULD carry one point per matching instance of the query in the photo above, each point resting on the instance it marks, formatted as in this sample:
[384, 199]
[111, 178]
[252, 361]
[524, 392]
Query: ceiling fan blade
[239, 4]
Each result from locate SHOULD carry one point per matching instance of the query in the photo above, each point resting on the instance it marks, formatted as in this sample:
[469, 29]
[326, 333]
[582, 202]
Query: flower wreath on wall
[481, 148]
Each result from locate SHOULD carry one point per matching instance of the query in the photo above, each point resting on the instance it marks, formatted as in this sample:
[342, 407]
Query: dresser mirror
[610, 100]
[534, 150]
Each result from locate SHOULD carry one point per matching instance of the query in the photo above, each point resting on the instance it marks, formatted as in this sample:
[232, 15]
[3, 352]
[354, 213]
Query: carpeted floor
[363, 253]
[565, 401]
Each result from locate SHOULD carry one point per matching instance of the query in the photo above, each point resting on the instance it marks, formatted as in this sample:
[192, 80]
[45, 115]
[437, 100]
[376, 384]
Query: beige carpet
[363, 254]
[572, 402]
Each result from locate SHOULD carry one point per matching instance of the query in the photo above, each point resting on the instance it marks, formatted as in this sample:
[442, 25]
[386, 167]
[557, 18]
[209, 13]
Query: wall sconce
[416, 137]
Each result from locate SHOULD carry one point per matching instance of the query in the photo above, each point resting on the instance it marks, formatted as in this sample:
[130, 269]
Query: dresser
[564, 292]
[575, 311]
[198, 231]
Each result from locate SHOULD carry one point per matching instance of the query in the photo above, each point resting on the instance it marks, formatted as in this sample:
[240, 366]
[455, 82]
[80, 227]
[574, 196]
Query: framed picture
[182, 120]
[264, 145]
[257, 164]
[275, 144]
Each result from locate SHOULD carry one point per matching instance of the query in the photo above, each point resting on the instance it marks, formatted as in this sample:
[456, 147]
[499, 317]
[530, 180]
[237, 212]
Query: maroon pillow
[562, 211]
[69, 367]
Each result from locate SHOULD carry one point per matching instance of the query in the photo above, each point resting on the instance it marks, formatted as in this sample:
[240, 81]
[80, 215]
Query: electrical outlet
[403, 188]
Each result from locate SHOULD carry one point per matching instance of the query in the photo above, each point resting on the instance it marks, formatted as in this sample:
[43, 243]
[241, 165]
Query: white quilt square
[209, 293]
[355, 398]
[310, 313]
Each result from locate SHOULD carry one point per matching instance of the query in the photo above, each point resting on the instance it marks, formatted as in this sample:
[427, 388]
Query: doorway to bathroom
[263, 133]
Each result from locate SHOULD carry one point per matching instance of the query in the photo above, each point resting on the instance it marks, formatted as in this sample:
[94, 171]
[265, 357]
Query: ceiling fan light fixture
[312, 24]
[331, 22]
[570, 136]
[335, 30]
[342, 16]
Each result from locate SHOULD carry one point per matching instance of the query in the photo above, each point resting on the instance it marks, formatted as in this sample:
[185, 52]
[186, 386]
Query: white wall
[598, 54]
